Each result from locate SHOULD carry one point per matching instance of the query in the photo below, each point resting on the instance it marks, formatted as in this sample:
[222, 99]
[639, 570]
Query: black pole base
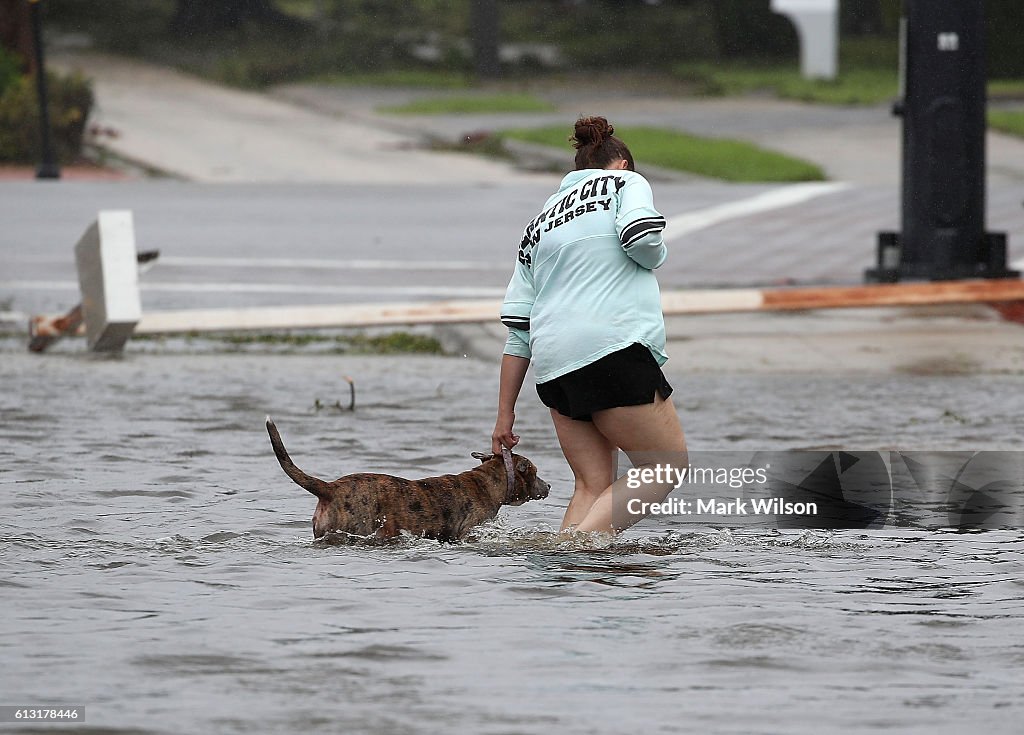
[48, 171]
[991, 263]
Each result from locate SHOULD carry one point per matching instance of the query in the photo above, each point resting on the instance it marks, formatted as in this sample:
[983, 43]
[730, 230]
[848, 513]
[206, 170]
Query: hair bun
[591, 131]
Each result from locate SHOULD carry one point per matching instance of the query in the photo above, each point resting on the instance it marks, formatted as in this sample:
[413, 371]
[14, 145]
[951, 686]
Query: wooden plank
[711, 301]
[894, 294]
[313, 317]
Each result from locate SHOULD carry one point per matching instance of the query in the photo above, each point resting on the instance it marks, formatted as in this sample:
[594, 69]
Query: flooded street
[158, 567]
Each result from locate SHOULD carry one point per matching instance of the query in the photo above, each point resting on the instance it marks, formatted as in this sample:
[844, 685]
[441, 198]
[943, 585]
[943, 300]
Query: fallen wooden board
[840, 297]
[312, 317]
[678, 302]
[702, 301]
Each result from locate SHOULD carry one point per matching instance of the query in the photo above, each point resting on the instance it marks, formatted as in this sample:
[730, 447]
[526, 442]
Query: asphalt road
[235, 245]
[249, 245]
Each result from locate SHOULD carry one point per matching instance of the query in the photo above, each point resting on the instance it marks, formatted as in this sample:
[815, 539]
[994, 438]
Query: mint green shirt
[584, 286]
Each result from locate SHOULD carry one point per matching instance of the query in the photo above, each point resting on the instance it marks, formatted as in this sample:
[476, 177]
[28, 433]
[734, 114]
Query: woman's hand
[503, 436]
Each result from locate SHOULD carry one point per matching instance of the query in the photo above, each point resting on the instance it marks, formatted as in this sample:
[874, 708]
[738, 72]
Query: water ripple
[158, 567]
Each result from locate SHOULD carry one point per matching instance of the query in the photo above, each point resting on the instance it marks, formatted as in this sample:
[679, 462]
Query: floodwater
[157, 567]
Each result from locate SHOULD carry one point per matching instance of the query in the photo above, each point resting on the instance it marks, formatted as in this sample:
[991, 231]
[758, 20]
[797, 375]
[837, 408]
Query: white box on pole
[108, 276]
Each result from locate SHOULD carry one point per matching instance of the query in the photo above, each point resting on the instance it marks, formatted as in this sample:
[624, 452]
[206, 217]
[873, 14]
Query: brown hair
[596, 145]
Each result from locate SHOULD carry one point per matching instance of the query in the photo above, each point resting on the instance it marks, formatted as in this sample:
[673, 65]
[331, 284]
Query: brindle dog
[443, 508]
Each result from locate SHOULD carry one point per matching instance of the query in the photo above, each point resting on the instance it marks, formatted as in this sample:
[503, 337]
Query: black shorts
[628, 377]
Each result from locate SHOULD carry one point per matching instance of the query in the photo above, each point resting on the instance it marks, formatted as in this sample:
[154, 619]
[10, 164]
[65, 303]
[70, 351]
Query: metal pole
[48, 168]
[485, 32]
[943, 102]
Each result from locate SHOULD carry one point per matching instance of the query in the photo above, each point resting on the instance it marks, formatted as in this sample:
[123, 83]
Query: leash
[510, 476]
[510, 473]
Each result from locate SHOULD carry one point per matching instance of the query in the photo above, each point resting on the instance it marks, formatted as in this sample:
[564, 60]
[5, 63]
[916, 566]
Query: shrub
[9, 69]
[71, 100]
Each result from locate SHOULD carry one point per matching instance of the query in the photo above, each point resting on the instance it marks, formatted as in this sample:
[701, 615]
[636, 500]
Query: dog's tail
[315, 485]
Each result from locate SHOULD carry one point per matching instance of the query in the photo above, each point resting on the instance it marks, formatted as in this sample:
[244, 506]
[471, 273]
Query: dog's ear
[481, 456]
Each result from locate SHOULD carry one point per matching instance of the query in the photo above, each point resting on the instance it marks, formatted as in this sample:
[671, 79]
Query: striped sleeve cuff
[636, 230]
[516, 322]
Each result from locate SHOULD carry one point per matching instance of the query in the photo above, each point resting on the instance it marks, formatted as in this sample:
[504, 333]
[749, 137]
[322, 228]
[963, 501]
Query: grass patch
[382, 344]
[461, 105]
[412, 78]
[396, 342]
[729, 160]
[867, 76]
[1006, 88]
[1007, 121]
[857, 86]
[863, 86]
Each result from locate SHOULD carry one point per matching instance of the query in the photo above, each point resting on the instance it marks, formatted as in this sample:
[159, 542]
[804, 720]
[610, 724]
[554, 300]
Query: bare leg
[591, 458]
[650, 435]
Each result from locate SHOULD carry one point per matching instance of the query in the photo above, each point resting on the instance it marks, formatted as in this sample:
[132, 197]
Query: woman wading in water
[584, 305]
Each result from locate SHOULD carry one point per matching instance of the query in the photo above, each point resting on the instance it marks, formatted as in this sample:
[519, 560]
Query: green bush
[606, 35]
[1005, 18]
[748, 29]
[472, 105]
[9, 69]
[71, 100]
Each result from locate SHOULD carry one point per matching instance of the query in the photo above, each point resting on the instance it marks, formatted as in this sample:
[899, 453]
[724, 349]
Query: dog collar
[510, 476]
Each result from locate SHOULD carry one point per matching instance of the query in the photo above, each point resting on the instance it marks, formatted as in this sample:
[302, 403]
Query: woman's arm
[639, 225]
[510, 382]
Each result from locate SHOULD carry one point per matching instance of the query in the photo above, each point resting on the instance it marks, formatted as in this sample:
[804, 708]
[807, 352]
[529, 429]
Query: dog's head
[526, 485]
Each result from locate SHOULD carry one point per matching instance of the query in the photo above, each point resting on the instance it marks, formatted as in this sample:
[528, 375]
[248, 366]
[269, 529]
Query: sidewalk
[307, 132]
[198, 131]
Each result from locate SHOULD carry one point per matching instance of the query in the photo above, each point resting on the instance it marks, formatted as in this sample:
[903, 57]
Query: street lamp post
[943, 106]
[48, 168]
